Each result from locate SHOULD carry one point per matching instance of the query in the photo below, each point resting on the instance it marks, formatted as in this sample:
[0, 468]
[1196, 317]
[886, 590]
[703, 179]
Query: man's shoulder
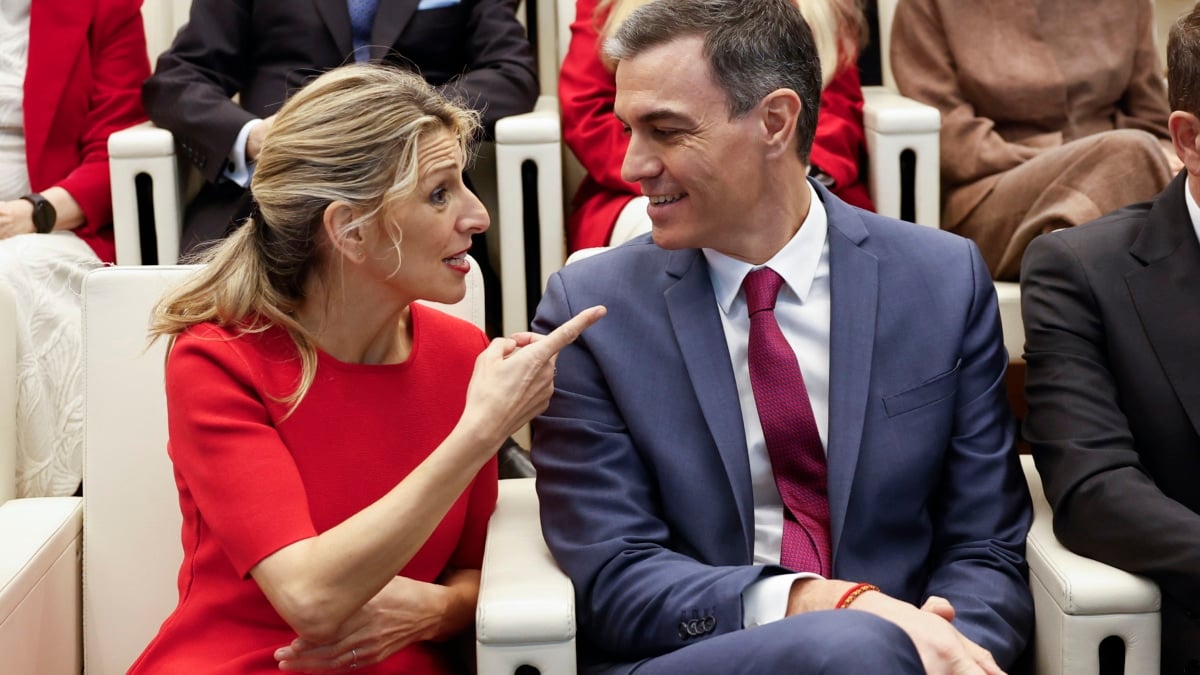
[1098, 243]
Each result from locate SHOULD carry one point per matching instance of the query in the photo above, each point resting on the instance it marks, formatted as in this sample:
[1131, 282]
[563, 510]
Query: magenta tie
[790, 430]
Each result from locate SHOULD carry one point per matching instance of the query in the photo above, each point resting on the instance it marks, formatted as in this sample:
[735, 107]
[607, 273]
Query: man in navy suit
[660, 494]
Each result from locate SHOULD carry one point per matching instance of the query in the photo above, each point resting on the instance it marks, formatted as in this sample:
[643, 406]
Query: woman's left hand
[404, 612]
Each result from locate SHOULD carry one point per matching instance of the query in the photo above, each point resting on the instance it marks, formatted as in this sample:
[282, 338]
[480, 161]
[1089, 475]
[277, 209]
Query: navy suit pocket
[937, 388]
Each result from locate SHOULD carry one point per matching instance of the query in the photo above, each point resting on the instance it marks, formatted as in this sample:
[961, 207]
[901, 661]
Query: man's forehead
[666, 80]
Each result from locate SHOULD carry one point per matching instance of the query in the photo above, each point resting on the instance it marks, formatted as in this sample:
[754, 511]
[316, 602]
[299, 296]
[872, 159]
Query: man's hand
[255, 138]
[943, 650]
[16, 217]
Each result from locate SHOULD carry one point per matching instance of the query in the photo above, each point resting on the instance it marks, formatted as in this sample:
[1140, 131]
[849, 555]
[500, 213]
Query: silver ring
[354, 656]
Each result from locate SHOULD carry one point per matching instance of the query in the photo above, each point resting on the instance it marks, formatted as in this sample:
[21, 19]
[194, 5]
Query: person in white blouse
[721, 470]
[70, 75]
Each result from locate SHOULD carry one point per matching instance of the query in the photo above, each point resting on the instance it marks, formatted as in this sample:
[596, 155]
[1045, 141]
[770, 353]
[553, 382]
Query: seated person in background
[474, 51]
[70, 75]
[1112, 343]
[609, 209]
[716, 457]
[1053, 112]
[333, 441]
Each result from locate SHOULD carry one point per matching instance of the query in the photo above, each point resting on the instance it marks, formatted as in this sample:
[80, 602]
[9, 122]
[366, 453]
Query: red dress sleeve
[227, 454]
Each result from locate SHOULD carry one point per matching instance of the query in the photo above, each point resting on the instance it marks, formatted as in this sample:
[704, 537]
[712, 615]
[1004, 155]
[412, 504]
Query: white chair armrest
[895, 124]
[532, 137]
[1078, 602]
[145, 150]
[40, 585]
[1008, 296]
[526, 612]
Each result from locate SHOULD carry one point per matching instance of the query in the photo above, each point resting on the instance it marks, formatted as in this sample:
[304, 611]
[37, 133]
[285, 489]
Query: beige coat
[1020, 80]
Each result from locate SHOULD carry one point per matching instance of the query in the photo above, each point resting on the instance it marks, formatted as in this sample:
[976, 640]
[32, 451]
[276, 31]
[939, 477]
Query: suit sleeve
[1105, 504]
[191, 89]
[925, 70]
[587, 91]
[981, 510]
[118, 55]
[1144, 105]
[501, 75]
[602, 518]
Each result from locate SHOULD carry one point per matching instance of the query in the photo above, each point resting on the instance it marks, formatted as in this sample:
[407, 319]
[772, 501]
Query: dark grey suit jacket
[1112, 342]
[263, 50]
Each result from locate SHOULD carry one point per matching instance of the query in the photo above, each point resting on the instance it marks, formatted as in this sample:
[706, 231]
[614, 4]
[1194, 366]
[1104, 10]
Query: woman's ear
[348, 242]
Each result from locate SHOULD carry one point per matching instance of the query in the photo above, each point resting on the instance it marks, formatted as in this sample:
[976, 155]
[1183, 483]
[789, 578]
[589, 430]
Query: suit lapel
[701, 339]
[390, 21]
[1166, 293]
[58, 33]
[337, 20]
[854, 292]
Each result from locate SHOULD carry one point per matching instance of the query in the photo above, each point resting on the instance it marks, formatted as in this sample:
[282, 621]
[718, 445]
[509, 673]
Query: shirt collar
[796, 262]
[1192, 206]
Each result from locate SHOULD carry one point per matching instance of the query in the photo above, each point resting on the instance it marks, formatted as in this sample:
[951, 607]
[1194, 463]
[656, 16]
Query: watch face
[44, 215]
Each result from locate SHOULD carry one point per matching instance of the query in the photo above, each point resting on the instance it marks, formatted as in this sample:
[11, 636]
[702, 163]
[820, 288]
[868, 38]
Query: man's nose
[640, 162]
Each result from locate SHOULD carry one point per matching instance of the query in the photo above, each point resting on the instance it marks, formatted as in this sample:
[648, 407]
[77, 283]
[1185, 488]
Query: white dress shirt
[802, 310]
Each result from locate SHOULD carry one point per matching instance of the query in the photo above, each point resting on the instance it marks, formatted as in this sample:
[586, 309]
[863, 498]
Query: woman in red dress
[333, 441]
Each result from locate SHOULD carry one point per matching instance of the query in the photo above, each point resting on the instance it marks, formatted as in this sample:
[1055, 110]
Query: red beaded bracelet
[851, 595]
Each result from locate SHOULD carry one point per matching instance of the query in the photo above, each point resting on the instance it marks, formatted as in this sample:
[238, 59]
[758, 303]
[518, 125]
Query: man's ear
[780, 112]
[1185, 136]
[348, 243]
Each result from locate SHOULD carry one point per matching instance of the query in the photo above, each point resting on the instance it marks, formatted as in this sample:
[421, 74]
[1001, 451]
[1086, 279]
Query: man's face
[703, 172]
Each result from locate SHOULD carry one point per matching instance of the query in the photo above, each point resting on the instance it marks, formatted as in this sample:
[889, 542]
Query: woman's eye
[439, 196]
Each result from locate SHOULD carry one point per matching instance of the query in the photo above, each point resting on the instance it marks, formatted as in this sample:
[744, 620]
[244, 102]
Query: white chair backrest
[162, 19]
[131, 531]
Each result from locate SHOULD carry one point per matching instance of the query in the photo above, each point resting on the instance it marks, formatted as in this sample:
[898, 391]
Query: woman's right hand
[514, 379]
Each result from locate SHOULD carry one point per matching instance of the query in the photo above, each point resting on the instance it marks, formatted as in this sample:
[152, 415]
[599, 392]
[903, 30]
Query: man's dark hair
[754, 47]
[1183, 63]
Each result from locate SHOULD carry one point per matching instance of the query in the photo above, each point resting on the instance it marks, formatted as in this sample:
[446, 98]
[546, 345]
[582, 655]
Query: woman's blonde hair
[839, 28]
[350, 135]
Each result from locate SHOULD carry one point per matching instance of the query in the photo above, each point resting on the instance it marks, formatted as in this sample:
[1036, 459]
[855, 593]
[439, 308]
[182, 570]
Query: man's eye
[665, 133]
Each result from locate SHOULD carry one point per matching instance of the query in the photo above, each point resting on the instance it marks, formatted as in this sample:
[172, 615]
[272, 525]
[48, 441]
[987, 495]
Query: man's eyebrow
[659, 115]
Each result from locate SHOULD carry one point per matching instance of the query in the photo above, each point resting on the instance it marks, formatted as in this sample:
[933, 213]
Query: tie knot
[761, 287]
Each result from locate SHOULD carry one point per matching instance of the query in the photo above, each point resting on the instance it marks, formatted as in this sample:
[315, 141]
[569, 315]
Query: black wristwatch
[44, 215]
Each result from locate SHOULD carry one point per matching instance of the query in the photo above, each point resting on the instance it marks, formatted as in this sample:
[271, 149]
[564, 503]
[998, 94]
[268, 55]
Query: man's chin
[667, 237]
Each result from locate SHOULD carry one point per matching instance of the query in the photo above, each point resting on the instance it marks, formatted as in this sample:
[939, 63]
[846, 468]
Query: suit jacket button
[710, 622]
[683, 630]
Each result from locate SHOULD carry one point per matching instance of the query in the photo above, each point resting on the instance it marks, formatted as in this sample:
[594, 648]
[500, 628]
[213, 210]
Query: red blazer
[83, 81]
[586, 90]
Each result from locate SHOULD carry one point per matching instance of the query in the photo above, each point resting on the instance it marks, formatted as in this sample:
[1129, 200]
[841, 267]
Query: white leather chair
[526, 613]
[130, 516]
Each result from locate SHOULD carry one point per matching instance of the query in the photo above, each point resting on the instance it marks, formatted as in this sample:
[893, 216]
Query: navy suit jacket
[643, 473]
